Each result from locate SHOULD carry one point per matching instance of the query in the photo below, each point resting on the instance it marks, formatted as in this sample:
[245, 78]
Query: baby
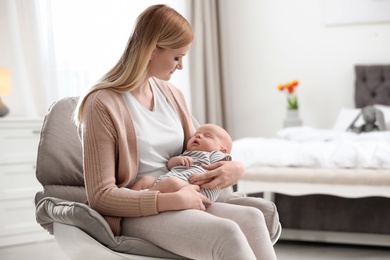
[210, 144]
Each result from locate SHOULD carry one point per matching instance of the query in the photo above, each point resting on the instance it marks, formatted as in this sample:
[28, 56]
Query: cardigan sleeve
[108, 166]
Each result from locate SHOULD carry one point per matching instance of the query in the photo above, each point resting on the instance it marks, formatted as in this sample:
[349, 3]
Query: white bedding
[316, 148]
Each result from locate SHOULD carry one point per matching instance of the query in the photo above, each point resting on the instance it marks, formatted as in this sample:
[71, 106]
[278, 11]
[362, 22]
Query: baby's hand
[180, 160]
[187, 161]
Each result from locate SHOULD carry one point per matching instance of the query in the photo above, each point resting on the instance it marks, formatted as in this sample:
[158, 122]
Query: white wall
[268, 42]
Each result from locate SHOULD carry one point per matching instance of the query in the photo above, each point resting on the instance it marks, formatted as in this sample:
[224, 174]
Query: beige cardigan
[110, 154]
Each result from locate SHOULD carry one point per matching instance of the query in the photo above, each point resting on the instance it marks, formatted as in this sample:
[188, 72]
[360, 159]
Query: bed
[330, 185]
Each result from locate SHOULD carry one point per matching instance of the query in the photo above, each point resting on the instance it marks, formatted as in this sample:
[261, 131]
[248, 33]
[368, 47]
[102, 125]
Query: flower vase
[292, 118]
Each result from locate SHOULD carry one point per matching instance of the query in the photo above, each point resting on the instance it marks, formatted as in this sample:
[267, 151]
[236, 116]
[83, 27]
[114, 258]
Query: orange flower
[290, 86]
[291, 97]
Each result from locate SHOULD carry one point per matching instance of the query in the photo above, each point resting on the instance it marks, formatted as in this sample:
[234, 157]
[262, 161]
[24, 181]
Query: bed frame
[332, 205]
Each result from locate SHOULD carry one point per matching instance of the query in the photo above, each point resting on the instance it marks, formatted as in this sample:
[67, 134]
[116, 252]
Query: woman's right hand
[188, 197]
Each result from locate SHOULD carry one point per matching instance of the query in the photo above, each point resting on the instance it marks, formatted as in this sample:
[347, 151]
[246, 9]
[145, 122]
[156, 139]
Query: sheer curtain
[27, 53]
[59, 48]
[207, 89]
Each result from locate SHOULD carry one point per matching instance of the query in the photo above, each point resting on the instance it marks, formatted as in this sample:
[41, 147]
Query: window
[89, 36]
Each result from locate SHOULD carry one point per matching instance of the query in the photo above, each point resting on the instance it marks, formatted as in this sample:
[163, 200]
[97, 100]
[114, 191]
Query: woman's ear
[153, 52]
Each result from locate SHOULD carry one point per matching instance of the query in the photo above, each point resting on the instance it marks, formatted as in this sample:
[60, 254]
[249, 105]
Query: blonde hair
[159, 26]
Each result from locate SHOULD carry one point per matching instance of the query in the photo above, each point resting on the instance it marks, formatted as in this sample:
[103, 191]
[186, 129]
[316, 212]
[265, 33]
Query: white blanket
[316, 148]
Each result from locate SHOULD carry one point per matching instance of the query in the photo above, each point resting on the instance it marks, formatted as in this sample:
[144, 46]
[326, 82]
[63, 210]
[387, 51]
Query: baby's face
[208, 138]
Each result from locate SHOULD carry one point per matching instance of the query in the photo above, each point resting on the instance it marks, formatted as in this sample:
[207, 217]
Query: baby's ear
[223, 149]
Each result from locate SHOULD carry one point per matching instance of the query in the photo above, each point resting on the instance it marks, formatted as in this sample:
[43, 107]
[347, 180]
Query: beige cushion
[343, 176]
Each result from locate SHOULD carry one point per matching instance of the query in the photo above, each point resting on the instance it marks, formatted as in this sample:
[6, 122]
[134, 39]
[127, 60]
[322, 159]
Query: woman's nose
[180, 65]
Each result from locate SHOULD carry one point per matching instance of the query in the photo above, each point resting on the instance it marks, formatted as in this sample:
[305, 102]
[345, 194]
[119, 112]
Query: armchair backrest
[59, 166]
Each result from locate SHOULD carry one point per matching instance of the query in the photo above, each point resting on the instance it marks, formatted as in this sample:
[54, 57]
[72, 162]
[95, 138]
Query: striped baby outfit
[199, 157]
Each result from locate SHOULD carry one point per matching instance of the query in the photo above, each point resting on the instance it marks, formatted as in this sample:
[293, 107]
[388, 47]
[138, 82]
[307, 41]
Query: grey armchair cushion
[51, 210]
[59, 160]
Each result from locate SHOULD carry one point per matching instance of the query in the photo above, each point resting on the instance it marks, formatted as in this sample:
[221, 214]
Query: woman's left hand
[219, 175]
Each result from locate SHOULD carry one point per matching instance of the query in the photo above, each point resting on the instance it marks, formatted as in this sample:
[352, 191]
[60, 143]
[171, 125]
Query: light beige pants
[225, 231]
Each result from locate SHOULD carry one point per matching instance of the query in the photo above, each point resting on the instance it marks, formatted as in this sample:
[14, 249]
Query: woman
[130, 124]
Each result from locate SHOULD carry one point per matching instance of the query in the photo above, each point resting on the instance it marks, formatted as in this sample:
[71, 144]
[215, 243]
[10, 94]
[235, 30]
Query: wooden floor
[285, 250]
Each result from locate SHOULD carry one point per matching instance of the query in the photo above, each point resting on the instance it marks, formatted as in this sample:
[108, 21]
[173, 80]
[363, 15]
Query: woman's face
[164, 62]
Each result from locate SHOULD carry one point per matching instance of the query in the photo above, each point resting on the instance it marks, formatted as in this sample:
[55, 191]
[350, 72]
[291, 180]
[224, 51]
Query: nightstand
[19, 138]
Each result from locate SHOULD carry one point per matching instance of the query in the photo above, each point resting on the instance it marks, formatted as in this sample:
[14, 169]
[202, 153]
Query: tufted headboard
[372, 85]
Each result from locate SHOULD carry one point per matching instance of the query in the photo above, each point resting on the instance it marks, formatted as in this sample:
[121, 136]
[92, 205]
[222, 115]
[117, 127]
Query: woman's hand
[219, 175]
[188, 197]
[191, 198]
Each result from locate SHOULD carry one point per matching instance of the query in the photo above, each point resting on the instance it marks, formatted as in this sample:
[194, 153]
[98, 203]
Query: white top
[160, 134]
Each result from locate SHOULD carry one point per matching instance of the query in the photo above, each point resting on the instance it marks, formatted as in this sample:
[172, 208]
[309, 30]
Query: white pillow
[386, 114]
[345, 118]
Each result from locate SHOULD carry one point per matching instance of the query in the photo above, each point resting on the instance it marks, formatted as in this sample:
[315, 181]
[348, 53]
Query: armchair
[80, 231]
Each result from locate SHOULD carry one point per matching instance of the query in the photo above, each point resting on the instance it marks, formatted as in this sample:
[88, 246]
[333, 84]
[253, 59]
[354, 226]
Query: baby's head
[210, 137]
